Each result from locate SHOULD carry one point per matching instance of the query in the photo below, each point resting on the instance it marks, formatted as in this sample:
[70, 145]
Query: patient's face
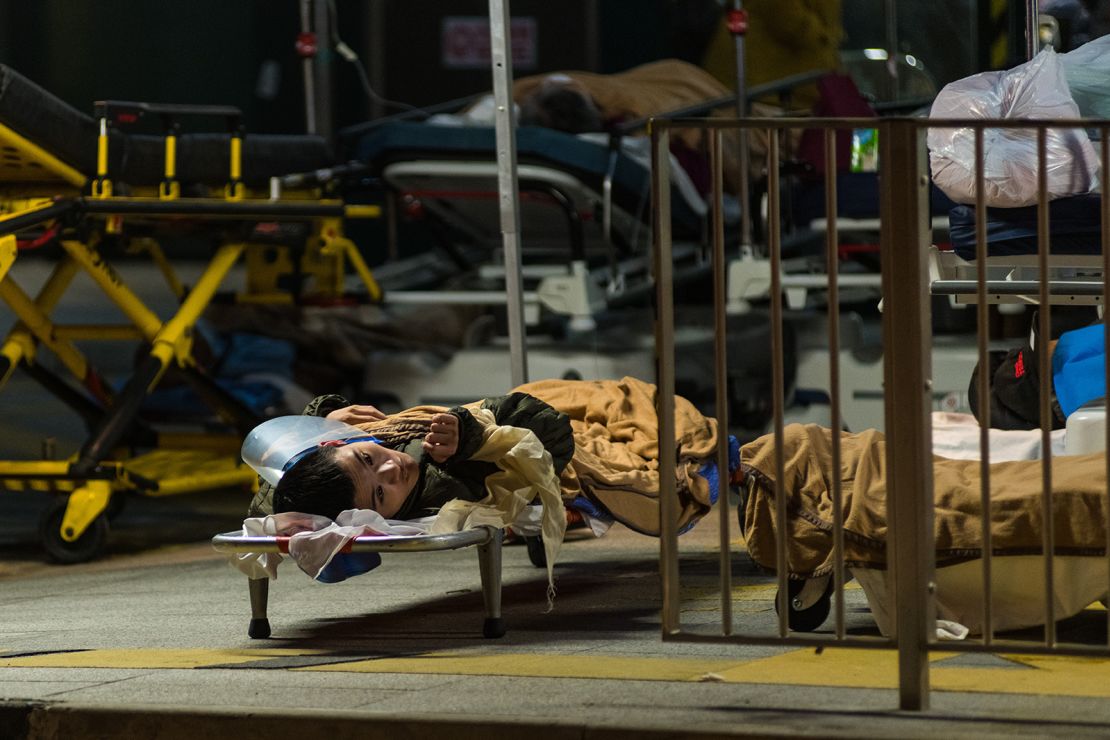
[383, 477]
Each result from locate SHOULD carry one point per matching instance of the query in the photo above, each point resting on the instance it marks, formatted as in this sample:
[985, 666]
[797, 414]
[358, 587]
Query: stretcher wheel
[84, 548]
[116, 504]
[536, 553]
[806, 620]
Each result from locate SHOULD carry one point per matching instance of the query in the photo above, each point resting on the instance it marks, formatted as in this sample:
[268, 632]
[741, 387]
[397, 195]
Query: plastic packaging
[1036, 89]
[1087, 70]
[273, 443]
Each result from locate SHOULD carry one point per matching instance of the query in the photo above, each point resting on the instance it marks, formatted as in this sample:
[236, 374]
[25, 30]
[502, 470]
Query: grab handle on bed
[127, 112]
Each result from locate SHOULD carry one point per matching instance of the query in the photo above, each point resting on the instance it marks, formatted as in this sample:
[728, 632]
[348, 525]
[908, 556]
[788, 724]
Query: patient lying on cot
[587, 445]
[410, 472]
[601, 437]
[580, 102]
[1077, 494]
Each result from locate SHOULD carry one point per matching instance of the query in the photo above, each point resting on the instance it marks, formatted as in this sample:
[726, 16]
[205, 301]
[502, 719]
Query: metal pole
[890, 14]
[720, 375]
[907, 372]
[1044, 362]
[507, 188]
[984, 385]
[738, 26]
[308, 70]
[1104, 182]
[832, 268]
[778, 390]
[374, 53]
[322, 65]
[1032, 28]
[665, 373]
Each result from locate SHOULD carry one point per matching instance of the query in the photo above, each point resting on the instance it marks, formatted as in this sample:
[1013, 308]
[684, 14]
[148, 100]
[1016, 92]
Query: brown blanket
[616, 446]
[1078, 497]
[651, 89]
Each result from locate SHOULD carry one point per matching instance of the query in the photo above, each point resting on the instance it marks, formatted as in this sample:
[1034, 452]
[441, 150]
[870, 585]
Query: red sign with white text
[466, 42]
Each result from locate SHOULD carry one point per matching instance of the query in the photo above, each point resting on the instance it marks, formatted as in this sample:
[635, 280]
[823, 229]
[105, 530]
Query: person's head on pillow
[340, 475]
[561, 104]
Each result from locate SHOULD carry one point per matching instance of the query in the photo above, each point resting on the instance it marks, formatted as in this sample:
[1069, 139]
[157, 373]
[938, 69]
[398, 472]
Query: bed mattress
[1074, 228]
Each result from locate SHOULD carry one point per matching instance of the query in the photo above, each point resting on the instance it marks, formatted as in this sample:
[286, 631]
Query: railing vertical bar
[832, 269]
[720, 361]
[665, 373]
[1104, 182]
[983, 320]
[907, 371]
[1044, 370]
[775, 243]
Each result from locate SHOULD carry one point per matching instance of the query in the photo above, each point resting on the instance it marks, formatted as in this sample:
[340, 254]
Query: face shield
[276, 445]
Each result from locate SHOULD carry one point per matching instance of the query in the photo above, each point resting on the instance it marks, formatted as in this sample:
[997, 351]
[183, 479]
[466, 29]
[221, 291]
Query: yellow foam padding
[23, 161]
[182, 471]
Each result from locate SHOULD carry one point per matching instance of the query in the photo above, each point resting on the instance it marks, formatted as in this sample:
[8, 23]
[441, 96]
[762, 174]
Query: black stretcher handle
[129, 111]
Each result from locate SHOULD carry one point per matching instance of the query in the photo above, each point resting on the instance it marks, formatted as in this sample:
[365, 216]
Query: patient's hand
[443, 440]
[356, 414]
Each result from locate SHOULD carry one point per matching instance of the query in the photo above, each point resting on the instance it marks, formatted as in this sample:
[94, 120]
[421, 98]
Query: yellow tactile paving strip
[151, 658]
[865, 669]
[547, 665]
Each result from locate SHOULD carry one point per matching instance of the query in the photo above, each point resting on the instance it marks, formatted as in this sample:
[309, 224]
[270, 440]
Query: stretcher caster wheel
[811, 617]
[116, 504]
[84, 548]
[536, 552]
[259, 629]
[493, 627]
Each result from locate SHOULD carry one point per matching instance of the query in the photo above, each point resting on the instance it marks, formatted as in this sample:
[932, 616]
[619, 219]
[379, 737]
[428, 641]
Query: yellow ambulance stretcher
[95, 187]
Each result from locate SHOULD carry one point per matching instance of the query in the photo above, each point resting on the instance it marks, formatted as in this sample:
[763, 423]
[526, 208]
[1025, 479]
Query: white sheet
[1017, 582]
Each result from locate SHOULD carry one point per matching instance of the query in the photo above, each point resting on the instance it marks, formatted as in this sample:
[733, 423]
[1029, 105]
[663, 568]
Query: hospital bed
[123, 181]
[1075, 254]
[585, 209]
[585, 200]
[806, 223]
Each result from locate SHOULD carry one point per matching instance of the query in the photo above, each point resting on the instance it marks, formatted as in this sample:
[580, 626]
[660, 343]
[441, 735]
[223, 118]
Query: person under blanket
[577, 102]
[411, 474]
[602, 436]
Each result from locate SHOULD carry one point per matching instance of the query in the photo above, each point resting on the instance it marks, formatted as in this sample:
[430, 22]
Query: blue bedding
[585, 160]
[857, 197]
[1074, 224]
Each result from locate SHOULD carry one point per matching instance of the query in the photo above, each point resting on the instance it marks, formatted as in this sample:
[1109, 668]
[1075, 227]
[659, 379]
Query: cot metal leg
[259, 627]
[489, 563]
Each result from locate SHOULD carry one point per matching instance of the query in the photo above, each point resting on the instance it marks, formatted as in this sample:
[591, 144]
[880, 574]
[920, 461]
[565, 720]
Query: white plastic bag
[1033, 90]
[1087, 70]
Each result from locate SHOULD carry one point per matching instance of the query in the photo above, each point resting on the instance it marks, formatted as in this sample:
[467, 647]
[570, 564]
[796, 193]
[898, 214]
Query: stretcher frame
[38, 191]
[1073, 279]
[488, 540]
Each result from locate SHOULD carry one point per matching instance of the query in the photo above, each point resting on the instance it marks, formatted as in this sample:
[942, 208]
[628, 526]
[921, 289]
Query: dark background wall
[195, 51]
[219, 51]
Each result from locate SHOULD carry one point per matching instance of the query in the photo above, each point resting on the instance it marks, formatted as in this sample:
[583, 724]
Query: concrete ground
[150, 641]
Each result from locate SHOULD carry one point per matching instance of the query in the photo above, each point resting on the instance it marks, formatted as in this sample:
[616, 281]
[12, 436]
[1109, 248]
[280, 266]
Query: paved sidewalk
[151, 641]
